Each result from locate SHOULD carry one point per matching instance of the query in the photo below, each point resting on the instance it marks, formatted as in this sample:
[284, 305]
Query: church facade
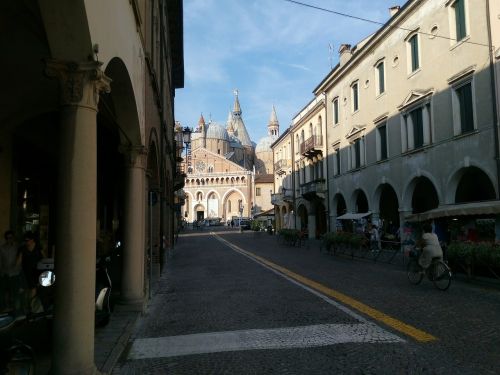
[228, 175]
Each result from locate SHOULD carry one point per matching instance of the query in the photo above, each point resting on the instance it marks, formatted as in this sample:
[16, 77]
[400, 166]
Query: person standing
[10, 272]
[30, 253]
[374, 238]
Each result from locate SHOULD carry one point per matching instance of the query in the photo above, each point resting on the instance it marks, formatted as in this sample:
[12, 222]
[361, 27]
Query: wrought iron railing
[311, 143]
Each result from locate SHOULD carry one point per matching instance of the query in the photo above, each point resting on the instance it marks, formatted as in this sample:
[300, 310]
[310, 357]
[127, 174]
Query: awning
[351, 216]
[265, 213]
[463, 209]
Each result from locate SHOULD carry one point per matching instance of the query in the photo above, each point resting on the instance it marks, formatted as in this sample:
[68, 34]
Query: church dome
[265, 143]
[196, 135]
[216, 131]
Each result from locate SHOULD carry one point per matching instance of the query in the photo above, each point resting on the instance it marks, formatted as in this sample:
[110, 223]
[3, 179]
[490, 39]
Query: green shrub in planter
[460, 251]
[256, 225]
[289, 235]
[483, 252]
[356, 240]
[495, 256]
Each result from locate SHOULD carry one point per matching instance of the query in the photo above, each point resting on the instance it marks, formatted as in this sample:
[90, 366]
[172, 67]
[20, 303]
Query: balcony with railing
[312, 146]
[285, 195]
[281, 166]
[276, 199]
[313, 189]
[180, 176]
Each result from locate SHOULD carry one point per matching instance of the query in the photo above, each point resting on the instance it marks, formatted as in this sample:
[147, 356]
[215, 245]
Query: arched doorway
[424, 196]
[474, 185]
[199, 212]
[339, 203]
[303, 218]
[320, 219]
[361, 204]
[233, 203]
[389, 208]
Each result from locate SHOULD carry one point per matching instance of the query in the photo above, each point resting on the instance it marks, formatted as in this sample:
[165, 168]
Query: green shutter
[460, 19]
[381, 84]
[418, 128]
[355, 97]
[383, 142]
[464, 94]
[414, 53]
[336, 112]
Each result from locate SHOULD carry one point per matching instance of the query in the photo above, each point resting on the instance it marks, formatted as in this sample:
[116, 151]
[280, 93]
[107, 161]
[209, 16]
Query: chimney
[393, 10]
[345, 53]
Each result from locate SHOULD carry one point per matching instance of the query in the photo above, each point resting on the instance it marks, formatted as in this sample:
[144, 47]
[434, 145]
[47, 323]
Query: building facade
[412, 116]
[86, 148]
[300, 165]
[227, 175]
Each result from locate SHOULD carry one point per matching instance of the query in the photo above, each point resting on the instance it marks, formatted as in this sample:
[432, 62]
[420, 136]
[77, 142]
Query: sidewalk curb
[120, 346]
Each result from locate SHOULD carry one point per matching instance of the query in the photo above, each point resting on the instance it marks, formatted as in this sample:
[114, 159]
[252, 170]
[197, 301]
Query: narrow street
[240, 303]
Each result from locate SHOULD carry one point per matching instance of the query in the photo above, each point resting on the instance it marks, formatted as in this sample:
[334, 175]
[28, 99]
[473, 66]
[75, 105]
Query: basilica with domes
[228, 175]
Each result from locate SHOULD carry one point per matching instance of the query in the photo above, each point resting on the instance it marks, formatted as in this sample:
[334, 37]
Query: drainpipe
[493, 94]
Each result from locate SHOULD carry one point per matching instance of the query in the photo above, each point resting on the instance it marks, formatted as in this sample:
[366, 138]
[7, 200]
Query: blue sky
[274, 52]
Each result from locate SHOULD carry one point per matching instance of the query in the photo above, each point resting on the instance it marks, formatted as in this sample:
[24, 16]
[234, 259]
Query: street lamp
[186, 135]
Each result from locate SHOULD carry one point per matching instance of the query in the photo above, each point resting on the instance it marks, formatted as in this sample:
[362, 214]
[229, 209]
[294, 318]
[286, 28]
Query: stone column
[75, 256]
[311, 221]
[403, 212]
[132, 292]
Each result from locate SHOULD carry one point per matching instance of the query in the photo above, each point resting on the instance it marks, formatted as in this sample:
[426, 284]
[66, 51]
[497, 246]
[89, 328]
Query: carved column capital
[81, 83]
[135, 156]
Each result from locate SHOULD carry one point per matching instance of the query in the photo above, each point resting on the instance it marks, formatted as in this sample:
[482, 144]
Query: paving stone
[209, 289]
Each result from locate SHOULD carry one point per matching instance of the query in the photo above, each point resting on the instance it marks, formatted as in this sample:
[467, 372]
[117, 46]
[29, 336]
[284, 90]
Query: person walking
[10, 271]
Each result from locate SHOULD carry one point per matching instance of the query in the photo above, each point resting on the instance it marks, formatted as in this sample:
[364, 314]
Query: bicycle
[438, 272]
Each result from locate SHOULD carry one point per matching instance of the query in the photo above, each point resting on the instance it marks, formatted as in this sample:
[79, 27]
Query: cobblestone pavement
[218, 311]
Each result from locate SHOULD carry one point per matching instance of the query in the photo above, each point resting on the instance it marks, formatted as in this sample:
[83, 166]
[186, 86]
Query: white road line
[258, 339]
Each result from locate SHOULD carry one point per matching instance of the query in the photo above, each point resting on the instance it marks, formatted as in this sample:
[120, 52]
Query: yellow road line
[396, 324]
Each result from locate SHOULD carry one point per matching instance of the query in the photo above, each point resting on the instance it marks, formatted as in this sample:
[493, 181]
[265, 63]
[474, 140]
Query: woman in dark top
[30, 253]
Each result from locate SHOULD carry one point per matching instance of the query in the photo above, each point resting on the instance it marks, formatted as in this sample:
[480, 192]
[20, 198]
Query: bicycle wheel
[414, 273]
[441, 275]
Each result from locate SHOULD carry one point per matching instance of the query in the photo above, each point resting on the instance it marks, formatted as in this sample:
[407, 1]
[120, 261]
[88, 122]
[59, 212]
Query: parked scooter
[103, 304]
[17, 357]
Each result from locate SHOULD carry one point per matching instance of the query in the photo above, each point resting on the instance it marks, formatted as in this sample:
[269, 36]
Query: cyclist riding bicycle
[430, 247]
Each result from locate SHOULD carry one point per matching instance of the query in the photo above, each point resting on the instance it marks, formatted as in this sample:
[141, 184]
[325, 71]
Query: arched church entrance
[199, 212]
